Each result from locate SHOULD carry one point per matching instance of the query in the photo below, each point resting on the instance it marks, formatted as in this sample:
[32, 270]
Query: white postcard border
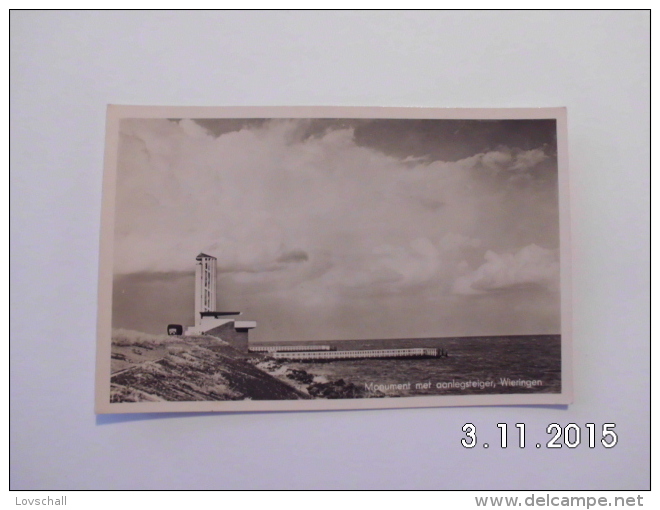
[103, 372]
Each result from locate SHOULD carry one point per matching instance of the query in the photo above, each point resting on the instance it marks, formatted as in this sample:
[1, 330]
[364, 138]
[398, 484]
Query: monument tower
[209, 321]
[205, 277]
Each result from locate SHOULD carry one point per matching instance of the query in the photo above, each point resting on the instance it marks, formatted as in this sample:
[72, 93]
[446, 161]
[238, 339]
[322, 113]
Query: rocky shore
[152, 368]
[312, 385]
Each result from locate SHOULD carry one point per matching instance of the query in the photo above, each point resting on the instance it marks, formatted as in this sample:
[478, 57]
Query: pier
[290, 348]
[420, 352]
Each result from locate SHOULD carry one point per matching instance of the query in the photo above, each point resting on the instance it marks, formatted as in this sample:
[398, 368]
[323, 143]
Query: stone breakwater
[312, 385]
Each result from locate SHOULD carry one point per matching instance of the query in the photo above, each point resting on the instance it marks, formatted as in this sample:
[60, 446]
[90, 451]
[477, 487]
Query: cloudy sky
[341, 228]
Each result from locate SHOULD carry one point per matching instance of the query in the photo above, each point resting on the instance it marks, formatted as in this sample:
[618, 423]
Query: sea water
[474, 365]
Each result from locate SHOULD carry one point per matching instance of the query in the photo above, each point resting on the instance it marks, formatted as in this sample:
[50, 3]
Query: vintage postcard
[306, 258]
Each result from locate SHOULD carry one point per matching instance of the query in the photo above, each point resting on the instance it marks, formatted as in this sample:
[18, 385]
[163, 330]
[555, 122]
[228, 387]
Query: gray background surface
[67, 66]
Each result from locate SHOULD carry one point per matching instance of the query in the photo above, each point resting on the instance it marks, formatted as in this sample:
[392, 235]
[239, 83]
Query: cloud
[293, 256]
[279, 207]
[388, 267]
[528, 159]
[506, 160]
[320, 223]
[530, 267]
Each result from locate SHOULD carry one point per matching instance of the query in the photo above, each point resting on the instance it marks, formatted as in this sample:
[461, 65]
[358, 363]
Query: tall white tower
[205, 275]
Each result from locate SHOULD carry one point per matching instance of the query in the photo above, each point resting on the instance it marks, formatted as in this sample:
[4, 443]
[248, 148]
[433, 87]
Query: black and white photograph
[303, 258]
[340, 250]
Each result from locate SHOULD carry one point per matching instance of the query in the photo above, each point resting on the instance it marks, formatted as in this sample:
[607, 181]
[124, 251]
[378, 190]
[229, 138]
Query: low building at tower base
[234, 332]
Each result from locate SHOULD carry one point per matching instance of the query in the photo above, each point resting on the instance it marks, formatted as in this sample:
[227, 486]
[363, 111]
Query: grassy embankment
[150, 368]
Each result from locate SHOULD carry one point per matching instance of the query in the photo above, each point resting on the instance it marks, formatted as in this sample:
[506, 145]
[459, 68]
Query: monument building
[209, 321]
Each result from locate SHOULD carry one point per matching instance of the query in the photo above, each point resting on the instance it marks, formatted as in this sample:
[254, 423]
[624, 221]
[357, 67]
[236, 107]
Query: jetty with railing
[333, 355]
[290, 348]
